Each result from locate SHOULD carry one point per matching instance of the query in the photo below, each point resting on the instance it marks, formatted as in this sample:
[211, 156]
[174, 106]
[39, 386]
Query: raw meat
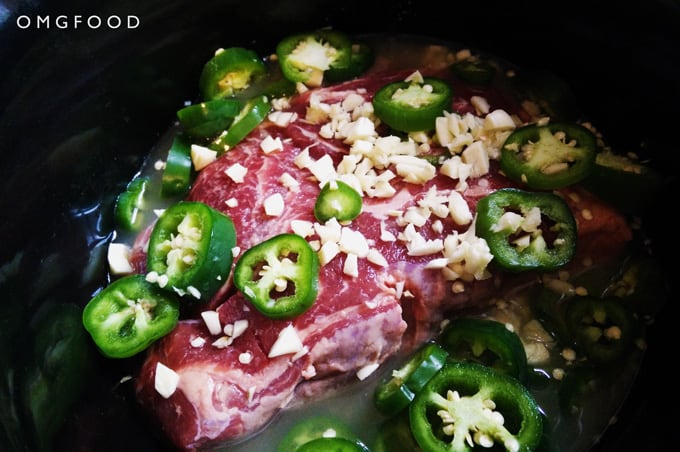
[229, 392]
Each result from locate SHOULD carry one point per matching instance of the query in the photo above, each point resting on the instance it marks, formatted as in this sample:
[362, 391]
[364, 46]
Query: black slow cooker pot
[86, 90]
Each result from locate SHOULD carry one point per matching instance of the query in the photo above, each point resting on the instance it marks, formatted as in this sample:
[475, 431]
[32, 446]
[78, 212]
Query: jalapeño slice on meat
[545, 157]
[487, 342]
[279, 276]
[251, 115]
[129, 315]
[527, 230]
[396, 392]
[337, 200]
[229, 72]
[412, 106]
[467, 401]
[306, 57]
[190, 249]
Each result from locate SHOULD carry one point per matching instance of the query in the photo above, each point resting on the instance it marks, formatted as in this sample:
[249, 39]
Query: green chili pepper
[548, 308]
[61, 364]
[487, 342]
[191, 245]
[545, 157]
[279, 276]
[550, 93]
[176, 178]
[645, 284]
[229, 72]
[337, 200]
[410, 106]
[207, 119]
[278, 87]
[474, 71]
[128, 315]
[527, 230]
[458, 405]
[394, 435]
[325, 444]
[306, 57]
[130, 206]
[623, 182]
[251, 115]
[393, 394]
[361, 58]
[305, 434]
[601, 327]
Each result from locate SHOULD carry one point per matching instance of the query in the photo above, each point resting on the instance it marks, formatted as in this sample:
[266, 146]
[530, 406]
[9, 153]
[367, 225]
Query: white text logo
[77, 21]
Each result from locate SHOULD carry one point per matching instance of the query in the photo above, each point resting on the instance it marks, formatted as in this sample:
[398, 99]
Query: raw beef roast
[391, 276]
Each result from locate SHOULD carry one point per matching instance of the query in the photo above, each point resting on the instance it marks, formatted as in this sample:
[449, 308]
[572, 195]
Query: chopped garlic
[236, 172]
[303, 159]
[354, 242]
[413, 169]
[509, 221]
[282, 118]
[287, 343]
[367, 370]
[481, 104]
[327, 252]
[118, 256]
[194, 292]
[376, 257]
[166, 380]
[289, 182]
[212, 321]
[459, 209]
[385, 235]
[270, 144]
[498, 119]
[239, 327]
[197, 342]
[415, 77]
[586, 214]
[274, 205]
[330, 231]
[476, 156]
[322, 169]
[302, 228]
[438, 263]
[223, 342]
[202, 156]
[351, 267]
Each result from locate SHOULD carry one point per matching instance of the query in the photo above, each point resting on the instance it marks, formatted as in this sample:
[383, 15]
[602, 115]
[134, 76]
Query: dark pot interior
[80, 109]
